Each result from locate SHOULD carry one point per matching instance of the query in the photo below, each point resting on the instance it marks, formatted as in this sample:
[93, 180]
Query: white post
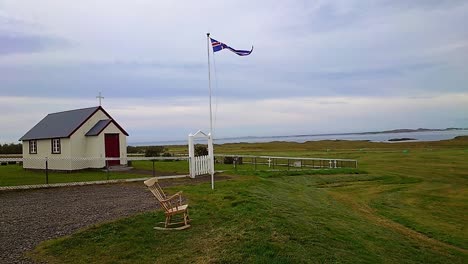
[211, 157]
[210, 135]
[191, 156]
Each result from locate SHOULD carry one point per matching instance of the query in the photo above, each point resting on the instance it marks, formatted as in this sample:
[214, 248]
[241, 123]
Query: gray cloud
[153, 50]
[12, 43]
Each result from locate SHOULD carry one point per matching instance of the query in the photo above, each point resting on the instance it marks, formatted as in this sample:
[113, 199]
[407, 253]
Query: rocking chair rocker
[172, 206]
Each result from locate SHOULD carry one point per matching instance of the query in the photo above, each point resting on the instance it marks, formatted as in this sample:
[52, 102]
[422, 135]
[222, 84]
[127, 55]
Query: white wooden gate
[203, 164]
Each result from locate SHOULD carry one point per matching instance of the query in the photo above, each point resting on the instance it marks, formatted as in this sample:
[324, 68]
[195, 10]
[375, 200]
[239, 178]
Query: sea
[379, 137]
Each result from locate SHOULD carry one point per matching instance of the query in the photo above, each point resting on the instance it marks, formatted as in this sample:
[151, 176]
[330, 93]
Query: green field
[408, 203]
[14, 174]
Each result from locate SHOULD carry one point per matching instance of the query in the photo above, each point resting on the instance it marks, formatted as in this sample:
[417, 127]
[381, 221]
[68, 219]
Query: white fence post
[192, 162]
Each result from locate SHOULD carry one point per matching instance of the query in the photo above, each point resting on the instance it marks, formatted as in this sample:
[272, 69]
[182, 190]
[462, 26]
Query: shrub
[201, 150]
[230, 160]
[11, 148]
[154, 151]
[132, 149]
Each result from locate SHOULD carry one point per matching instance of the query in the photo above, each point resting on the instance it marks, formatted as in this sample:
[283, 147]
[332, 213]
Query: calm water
[418, 136]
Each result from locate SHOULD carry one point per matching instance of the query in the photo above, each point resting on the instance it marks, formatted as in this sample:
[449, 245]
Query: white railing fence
[275, 162]
[108, 168]
[197, 165]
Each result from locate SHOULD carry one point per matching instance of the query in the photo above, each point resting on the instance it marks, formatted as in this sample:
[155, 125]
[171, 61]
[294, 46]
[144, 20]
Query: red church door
[112, 148]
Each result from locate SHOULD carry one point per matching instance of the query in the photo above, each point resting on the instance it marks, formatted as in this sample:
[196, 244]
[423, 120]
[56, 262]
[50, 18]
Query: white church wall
[84, 147]
[59, 161]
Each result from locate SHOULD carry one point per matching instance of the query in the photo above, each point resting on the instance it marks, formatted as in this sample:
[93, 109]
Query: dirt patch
[28, 217]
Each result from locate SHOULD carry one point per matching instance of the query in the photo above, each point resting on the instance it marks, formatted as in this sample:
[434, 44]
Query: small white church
[75, 139]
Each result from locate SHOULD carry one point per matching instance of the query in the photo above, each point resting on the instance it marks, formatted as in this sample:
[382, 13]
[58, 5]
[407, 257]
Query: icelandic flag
[217, 46]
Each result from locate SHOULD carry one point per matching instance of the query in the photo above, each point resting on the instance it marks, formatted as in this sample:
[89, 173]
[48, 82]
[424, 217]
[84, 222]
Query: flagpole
[209, 80]
[211, 114]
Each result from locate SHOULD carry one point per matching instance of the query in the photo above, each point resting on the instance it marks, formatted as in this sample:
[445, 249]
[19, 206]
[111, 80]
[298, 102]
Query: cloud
[337, 52]
[19, 43]
[19, 35]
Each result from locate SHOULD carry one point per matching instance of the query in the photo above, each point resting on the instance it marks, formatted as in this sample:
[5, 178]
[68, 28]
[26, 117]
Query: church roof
[98, 127]
[63, 124]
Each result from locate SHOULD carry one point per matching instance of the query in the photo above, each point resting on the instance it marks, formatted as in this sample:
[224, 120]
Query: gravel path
[31, 216]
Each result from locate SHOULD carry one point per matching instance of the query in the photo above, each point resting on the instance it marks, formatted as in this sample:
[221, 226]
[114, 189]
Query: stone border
[68, 184]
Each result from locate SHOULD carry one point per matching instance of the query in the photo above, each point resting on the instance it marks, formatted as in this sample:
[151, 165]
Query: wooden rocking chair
[172, 205]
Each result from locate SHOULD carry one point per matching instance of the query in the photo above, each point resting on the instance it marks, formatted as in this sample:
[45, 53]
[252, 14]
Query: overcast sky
[317, 66]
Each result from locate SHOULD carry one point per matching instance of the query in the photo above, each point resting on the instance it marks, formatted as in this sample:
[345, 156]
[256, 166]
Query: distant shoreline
[356, 133]
[376, 136]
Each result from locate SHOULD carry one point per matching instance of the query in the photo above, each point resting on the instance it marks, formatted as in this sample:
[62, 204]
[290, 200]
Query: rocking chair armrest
[168, 199]
[174, 201]
[175, 195]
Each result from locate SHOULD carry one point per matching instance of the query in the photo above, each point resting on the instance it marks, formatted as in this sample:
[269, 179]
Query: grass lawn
[180, 166]
[410, 207]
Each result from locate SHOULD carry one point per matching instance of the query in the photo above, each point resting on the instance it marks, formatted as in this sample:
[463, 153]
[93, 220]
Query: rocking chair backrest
[158, 192]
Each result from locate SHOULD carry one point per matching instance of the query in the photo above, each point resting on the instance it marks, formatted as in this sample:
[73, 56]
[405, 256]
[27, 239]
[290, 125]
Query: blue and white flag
[217, 46]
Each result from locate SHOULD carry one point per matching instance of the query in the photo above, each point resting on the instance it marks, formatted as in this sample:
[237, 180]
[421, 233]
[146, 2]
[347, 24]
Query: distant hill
[281, 138]
[406, 130]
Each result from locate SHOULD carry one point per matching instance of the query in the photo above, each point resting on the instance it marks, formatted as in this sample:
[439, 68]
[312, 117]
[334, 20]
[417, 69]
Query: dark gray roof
[100, 125]
[61, 124]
